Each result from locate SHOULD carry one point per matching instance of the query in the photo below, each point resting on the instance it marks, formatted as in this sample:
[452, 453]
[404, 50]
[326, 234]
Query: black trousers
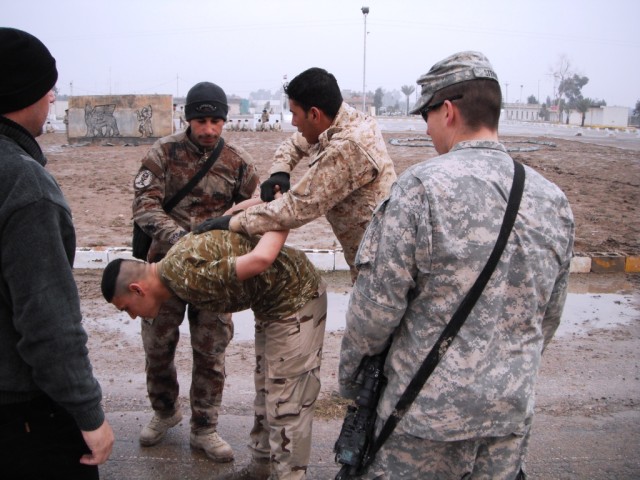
[39, 440]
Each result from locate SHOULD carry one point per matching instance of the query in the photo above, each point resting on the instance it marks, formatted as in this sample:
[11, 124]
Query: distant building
[524, 112]
[601, 117]
[595, 116]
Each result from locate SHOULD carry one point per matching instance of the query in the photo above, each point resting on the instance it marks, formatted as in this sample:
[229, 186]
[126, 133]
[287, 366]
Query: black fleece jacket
[42, 341]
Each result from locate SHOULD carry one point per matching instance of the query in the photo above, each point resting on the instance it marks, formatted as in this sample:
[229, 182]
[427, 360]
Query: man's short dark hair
[318, 88]
[480, 103]
[109, 279]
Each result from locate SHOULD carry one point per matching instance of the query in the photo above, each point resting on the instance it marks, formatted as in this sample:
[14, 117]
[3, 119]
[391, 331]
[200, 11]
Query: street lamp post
[521, 93]
[365, 11]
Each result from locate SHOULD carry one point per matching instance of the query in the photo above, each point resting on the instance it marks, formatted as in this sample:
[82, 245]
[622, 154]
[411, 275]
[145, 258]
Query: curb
[99, 257]
[333, 260]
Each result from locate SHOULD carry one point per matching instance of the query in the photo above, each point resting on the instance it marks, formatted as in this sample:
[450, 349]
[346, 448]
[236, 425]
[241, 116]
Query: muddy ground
[589, 394]
[602, 184]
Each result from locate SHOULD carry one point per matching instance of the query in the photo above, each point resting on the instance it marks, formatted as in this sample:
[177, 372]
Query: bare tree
[408, 90]
[560, 72]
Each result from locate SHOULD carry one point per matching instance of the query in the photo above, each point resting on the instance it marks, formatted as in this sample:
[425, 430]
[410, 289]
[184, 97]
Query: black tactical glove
[268, 187]
[217, 223]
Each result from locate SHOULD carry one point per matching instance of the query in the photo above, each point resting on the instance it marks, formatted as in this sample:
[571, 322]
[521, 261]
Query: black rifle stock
[354, 441]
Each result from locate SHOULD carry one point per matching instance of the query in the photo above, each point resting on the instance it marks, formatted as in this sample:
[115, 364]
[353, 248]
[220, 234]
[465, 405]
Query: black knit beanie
[206, 99]
[28, 70]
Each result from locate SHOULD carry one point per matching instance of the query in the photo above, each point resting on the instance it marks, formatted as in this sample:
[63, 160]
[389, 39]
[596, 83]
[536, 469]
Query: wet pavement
[573, 438]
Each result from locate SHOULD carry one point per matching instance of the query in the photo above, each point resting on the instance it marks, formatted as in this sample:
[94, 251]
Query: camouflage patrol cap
[457, 68]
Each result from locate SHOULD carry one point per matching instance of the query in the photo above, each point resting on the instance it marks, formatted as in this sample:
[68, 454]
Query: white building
[525, 112]
[601, 117]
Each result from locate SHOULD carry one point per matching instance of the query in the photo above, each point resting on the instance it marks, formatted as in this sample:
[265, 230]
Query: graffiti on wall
[144, 121]
[100, 121]
[119, 118]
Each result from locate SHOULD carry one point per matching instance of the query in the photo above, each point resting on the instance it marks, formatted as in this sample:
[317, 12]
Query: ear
[315, 113]
[451, 114]
[137, 289]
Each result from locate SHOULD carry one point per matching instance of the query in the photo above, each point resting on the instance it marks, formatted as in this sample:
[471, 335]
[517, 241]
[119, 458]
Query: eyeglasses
[434, 106]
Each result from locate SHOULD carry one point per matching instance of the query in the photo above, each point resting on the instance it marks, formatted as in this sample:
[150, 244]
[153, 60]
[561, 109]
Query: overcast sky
[166, 46]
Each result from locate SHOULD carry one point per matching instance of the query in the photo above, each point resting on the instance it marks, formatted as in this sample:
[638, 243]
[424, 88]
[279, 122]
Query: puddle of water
[585, 312]
[582, 313]
[243, 321]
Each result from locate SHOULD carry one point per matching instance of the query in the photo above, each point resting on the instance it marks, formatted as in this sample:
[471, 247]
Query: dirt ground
[591, 382]
[602, 184]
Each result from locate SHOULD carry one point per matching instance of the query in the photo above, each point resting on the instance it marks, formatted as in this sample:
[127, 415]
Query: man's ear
[137, 289]
[451, 113]
[315, 113]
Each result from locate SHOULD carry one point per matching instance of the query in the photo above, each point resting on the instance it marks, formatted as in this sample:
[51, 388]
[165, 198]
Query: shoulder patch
[143, 179]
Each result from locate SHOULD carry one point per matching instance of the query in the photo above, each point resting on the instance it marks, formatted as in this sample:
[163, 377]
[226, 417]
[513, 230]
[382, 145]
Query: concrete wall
[119, 118]
[602, 117]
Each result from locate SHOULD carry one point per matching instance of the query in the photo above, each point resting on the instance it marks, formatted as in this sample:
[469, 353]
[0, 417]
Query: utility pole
[365, 11]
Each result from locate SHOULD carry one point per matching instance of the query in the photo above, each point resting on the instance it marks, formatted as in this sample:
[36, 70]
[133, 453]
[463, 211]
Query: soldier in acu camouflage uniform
[424, 248]
[227, 272]
[170, 163]
[349, 169]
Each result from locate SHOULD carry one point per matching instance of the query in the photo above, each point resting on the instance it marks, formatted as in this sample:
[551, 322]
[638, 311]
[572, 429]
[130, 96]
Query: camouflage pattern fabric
[349, 173]
[201, 269]
[210, 334]
[423, 250]
[409, 457]
[287, 380]
[170, 163]
[456, 68]
[290, 305]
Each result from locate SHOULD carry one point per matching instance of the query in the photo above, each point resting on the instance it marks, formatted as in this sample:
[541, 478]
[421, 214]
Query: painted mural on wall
[100, 121]
[119, 118]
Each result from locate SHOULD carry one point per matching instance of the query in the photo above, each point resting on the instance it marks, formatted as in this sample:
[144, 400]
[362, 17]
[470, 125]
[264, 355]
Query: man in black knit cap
[52, 424]
[168, 166]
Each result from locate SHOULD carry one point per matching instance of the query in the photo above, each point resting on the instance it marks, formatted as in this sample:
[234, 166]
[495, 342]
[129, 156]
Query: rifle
[354, 441]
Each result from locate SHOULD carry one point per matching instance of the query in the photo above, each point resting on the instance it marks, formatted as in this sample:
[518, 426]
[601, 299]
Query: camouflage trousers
[210, 334]
[287, 380]
[492, 458]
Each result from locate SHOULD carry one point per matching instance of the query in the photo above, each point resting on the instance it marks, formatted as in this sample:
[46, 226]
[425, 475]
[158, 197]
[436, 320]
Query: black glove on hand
[217, 223]
[268, 187]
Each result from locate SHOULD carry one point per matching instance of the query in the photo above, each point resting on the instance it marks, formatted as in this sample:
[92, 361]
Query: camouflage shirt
[169, 165]
[349, 173]
[423, 250]
[201, 270]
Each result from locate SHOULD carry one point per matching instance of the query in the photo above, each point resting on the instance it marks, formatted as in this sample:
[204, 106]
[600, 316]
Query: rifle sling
[167, 207]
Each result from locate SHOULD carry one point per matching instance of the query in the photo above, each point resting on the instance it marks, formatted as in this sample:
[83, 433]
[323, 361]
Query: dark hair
[318, 88]
[480, 103]
[109, 279]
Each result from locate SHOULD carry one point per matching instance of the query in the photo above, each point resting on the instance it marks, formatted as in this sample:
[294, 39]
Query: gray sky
[166, 46]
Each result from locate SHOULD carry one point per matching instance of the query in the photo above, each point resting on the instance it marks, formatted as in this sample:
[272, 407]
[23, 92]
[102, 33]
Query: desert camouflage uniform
[349, 173]
[423, 250]
[166, 168]
[289, 302]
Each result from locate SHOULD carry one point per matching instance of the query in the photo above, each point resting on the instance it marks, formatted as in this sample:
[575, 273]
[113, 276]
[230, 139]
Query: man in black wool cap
[51, 420]
[168, 166]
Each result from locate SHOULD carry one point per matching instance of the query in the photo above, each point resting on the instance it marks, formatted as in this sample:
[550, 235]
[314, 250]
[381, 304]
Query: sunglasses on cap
[434, 106]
